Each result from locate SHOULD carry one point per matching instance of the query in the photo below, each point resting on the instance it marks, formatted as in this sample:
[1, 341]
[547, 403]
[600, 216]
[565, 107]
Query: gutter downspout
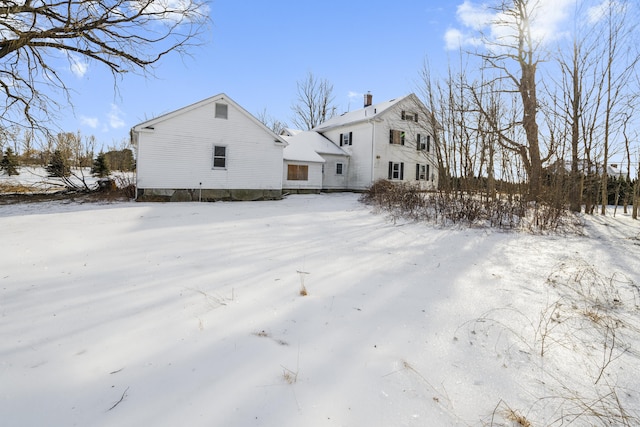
[373, 146]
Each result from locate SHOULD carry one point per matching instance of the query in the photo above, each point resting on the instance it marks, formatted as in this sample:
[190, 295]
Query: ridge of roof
[221, 96]
[307, 145]
[367, 113]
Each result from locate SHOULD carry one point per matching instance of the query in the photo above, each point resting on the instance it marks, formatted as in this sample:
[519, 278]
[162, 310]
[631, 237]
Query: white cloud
[474, 17]
[455, 39]
[78, 66]
[600, 11]
[115, 117]
[92, 122]
[354, 95]
[546, 23]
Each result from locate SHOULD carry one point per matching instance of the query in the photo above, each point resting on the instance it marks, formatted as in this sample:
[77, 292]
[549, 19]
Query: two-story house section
[388, 140]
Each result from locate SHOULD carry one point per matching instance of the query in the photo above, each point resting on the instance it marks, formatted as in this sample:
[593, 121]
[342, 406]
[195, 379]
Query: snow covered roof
[289, 132]
[308, 145]
[366, 113]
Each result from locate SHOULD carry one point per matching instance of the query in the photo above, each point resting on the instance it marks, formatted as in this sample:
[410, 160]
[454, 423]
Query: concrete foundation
[204, 195]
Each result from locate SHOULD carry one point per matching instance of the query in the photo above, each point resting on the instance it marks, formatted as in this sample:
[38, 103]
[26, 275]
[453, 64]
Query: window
[396, 171]
[423, 142]
[219, 157]
[221, 111]
[346, 139]
[339, 168]
[297, 172]
[422, 172]
[413, 117]
[396, 137]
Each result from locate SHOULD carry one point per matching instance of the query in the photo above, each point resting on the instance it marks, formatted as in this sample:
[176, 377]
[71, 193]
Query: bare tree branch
[123, 35]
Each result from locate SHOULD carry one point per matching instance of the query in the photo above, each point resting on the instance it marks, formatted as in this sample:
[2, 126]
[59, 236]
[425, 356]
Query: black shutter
[415, 117]
[390, 170]
[401, 171]
[402, 138]
[390, 136]
[340, 140]
[350, 138]
[428, 143]
[402, 116]
[418, 142]
[417, 172]
[428, 178]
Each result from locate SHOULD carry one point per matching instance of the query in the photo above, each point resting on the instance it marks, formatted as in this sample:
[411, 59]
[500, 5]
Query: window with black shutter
[396, 137]
[346, 139]
[396, 171]
[422, 172]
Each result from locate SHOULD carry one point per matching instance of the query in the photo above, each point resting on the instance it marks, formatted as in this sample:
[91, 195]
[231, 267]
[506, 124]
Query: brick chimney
[368, 99]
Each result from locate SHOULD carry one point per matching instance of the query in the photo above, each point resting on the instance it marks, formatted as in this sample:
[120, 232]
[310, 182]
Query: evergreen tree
[59, 165]
[100, 166]
[9, 162]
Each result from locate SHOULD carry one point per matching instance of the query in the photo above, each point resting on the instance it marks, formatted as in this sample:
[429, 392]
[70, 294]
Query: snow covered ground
[136, 314]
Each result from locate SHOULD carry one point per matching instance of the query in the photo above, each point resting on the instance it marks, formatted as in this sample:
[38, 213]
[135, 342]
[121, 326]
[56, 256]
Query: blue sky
[256, 51]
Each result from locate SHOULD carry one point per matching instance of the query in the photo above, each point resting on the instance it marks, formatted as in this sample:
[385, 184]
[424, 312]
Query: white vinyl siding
[178, 152]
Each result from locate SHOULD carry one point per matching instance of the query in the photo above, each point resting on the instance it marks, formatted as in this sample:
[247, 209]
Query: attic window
[412, 117]
[221, 111]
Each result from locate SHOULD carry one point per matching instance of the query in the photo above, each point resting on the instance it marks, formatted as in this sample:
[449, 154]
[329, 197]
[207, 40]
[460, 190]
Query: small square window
[221, 111]
[396, 137]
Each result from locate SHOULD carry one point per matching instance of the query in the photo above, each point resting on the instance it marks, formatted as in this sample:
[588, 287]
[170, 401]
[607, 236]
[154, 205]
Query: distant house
[210, 150]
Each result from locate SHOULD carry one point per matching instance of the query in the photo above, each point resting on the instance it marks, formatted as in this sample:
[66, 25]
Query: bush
[402, 200]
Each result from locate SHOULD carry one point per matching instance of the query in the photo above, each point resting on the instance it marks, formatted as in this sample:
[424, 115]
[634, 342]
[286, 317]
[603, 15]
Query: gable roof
[308, 145]
[363, 114]
[216, 98]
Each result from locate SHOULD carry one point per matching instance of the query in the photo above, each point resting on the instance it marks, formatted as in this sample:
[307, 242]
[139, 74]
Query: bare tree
[619, 64]
[123, 35]
[518, 48]
[314, 104]
[272, 123]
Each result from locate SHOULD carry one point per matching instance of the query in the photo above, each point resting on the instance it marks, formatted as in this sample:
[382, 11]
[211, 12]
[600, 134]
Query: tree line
[60, 154]
[543, 119]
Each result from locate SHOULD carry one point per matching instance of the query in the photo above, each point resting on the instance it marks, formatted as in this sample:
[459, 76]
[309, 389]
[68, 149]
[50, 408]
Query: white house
[389, 140]
[216, 150]
[211, 150]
